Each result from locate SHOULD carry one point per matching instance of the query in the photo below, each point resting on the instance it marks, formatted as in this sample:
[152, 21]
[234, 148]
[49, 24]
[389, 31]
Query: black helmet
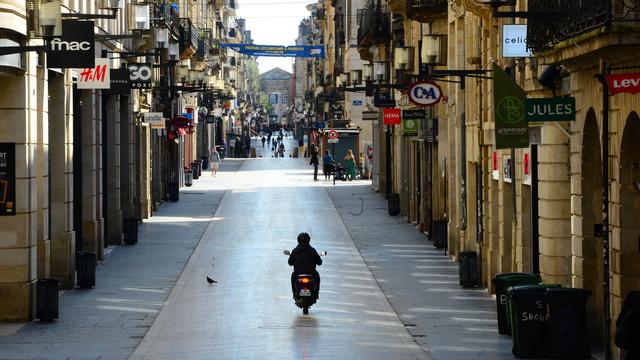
[304, 238]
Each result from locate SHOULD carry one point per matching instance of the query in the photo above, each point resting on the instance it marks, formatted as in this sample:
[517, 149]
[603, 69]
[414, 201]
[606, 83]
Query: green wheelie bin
[502, 282]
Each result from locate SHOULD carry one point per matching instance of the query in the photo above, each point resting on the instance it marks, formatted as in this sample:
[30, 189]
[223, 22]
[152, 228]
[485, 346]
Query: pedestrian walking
[327, 164]
[215, 161]
[314, 162]
[263, 140]
[350, 164]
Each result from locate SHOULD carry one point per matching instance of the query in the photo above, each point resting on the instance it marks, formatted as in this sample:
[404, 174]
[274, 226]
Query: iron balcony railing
[188, 36]
[374, 23]
[559, 20]
[426, 10]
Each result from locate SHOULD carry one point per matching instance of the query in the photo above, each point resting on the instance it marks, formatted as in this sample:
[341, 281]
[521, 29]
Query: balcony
[188, 38]
[167, 17]
[426, 10]
[374, 26]
[205, 40]
[569, 19]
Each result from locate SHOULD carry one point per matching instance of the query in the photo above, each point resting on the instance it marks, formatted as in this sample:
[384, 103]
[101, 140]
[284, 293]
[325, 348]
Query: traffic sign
[333, 134]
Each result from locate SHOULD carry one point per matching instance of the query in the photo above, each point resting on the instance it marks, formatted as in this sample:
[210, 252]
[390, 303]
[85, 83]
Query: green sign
[411, 121]
[554, 109]
[511, 130]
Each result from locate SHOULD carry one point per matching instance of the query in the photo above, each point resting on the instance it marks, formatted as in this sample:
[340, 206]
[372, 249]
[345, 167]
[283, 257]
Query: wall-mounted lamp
[401, 58]
[356, 77]
[174, 51]
[433, 50]
[138, 18]
[182, 73]
[49, 18]
[380, 69]
[109, 4]
[161, 37]
[367, 72]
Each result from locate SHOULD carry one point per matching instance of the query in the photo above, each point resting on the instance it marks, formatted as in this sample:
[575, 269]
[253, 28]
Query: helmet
[304, 238]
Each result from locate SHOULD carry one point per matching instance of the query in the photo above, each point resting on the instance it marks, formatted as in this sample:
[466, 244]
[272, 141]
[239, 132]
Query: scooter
[305, 289]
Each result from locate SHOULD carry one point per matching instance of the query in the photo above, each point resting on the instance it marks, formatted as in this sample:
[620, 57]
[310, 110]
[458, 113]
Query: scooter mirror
[286, 252]
[323, 253]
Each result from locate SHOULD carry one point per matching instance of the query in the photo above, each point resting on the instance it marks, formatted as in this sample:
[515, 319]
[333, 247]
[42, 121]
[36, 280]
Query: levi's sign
[624, 83]
[555, 109]
[425, 93]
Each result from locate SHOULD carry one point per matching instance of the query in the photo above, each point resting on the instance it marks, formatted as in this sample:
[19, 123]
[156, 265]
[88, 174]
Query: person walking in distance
[215, 161]
[350, 164]
[314, 161]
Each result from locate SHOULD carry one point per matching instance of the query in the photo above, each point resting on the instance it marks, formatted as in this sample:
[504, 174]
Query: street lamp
[367, 72]
[161, 37]
[401, 58]
[432, 49]
[49, 18]
[380, 69]
[138, 18]
[356, 77]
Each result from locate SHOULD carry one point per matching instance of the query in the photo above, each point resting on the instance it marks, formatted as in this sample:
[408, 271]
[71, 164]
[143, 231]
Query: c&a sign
[624, 83]
[76, 47]
[425, 93]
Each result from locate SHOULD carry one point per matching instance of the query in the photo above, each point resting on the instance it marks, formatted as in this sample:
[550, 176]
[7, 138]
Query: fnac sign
[425, 93]
[391, 116]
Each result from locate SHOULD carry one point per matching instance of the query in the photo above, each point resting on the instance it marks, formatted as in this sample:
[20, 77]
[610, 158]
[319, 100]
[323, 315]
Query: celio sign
[76, 47]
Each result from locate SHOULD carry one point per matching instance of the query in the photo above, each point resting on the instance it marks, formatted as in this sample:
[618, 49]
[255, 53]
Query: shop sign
[511, 127]
[140, 76]
[7, 179]
[369, 115]
[425, 93]
[75, 48]
[97, 77]
[383, 99]
[624, 83]
[154, 119]
[391, 116]
[514, 41]
[332, 137]
[356, 102]
[411, 121]
[554, 109]
[119, 82]
[431, 130]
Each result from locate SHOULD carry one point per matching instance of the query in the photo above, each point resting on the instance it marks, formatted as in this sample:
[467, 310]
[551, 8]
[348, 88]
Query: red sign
[333, 134]
[624, 83]
[392, 116]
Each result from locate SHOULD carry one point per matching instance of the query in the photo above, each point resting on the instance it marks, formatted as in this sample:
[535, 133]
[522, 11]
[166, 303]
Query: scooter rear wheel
[305, 310]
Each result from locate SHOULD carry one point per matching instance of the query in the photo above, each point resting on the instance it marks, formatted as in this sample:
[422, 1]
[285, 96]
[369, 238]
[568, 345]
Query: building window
[273, 98]
[285, 99]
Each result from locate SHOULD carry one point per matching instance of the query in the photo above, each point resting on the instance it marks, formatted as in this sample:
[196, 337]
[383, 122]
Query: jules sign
[76, 47]
[554, 109]
[7, 179]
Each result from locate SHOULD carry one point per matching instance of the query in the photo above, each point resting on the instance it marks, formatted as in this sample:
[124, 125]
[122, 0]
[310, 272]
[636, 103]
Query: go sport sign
[425, 93]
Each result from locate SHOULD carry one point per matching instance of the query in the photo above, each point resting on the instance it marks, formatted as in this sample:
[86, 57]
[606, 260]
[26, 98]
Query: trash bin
[188, 177]
[502, 282]
[528, 314]
[394, 204]
[47, 299]
[253, 152]
[468, 268]
[199, 162]
[194, 171]
[174, 193]
[131, 230]
[295, 152]
[205, 162]
[567, 335]
[440, 233]
[86, 268]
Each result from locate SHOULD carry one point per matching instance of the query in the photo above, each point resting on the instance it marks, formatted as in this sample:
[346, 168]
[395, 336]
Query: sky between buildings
[273, 22]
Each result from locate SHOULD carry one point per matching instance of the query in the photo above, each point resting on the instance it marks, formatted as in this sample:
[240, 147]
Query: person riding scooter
[304, 259]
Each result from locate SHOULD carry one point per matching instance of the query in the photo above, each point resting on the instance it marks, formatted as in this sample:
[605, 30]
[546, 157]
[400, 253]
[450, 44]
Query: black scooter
[305, 294]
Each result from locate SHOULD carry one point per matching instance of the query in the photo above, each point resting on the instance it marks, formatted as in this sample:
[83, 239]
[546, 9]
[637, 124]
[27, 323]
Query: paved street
[386, 292]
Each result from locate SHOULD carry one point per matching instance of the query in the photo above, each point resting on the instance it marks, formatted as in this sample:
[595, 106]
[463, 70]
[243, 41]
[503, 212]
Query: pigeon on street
[210, 280]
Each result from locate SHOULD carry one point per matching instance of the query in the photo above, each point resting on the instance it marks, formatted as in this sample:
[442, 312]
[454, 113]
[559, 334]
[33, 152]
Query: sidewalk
[420, 281]
[132, 284]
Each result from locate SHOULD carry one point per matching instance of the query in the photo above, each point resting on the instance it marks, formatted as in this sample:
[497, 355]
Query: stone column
[145, 170]
[555, 206]
[61, 180]
[19, 233]
[113, 216]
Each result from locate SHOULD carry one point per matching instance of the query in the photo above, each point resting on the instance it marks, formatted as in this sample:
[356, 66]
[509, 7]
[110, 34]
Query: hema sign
[514, 41]
[76, 47]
